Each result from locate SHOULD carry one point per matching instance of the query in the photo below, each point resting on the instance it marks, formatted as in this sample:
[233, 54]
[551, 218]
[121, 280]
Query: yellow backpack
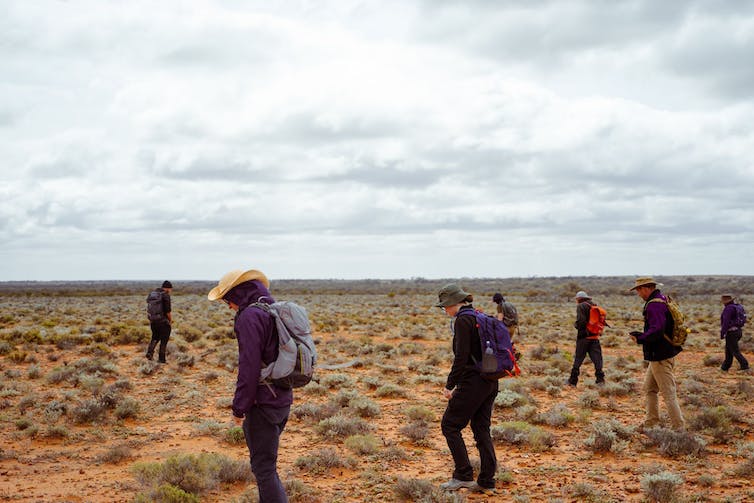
[680, 330]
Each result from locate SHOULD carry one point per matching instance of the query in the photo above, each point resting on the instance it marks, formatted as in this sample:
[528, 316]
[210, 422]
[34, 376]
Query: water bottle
[489, 361]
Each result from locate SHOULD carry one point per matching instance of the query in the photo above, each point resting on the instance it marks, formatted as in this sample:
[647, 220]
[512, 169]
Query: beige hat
[581, 294]
[645, 281]
[233, 278]
[728, 295]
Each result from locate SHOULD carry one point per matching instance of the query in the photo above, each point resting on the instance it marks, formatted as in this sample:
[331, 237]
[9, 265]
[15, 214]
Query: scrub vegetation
[86, 417]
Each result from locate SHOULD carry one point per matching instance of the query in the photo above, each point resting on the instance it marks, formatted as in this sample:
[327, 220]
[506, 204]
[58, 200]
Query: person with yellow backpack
[589, 324]
[660, 342]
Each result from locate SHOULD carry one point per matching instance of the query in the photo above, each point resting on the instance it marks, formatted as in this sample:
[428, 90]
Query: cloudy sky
[375, 138]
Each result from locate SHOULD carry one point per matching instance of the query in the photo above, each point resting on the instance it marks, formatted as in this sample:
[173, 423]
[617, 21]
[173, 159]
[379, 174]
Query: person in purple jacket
[659, 353]
[261, 408]
[731, 331]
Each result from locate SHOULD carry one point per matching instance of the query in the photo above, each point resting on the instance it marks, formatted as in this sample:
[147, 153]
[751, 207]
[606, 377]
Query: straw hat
[233, 278]
[582, 295]
[645, 281]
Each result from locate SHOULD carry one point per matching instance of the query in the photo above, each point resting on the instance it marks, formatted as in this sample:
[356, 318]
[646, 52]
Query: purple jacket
[657, 323]
[726, 319]
[257, 343]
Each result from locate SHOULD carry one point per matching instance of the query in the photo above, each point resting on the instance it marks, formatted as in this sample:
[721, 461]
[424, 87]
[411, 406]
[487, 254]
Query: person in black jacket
[161, 325]
[470, 397]
[585, 342]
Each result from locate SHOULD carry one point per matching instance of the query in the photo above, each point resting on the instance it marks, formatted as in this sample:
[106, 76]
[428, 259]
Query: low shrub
[416, 431]
[342, 426]
[419, 413]
[660, 487]
[235, 436]
[115, 455]
[362, 444]
[676, 443]
[390, 390]
[424, 490]
[128, 408]
[88, 411]
[322, 460]
[518, 432]
[606, 435]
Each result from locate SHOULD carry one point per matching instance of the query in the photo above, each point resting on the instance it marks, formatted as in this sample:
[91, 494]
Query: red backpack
[597, 322]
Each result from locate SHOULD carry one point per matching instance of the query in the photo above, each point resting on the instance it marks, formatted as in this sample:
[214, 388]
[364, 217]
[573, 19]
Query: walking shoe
[487, 491]
[455, 484]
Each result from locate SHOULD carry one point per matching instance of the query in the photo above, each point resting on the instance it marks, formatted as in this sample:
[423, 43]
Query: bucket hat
[582, 295]
[644, 281]
[450, 295]
[233, 278]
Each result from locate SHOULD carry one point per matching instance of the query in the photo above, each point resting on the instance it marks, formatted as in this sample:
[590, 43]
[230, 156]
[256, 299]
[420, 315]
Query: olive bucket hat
[450, 295]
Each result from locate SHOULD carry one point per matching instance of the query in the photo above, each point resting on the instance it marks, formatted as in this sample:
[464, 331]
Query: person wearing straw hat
[731, 329]
[659, 353]
[470, 397]
[160, 316]
[586, 343]
[262, 410]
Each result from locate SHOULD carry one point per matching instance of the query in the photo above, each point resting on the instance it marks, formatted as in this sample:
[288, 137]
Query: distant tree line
[532, 287]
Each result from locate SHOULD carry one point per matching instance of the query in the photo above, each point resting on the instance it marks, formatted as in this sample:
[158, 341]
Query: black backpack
[155, 312]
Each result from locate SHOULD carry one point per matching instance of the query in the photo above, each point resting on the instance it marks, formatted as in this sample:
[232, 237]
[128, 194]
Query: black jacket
[466, 347]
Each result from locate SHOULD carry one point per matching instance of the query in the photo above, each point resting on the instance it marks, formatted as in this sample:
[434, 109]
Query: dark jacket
[582, 318]
[726, 319]
[257, 343]
[657, 323]
[466, 347]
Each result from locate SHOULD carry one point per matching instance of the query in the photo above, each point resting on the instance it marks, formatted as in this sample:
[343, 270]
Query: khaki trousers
[659, 378]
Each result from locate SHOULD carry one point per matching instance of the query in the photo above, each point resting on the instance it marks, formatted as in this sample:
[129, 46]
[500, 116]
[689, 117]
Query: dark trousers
[593, 348]
[472, 401]
[732, 350]
[262, 428]
[161, 334]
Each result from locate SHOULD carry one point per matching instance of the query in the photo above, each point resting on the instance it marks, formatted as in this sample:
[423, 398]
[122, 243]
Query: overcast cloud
[375, 139]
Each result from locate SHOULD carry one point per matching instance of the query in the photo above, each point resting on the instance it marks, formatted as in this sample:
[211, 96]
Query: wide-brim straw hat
[450, 295]
[645, 281]
[233, 278]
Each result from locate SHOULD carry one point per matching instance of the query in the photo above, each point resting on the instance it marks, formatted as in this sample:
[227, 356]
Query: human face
[644, 291]
[452, 310]
[231, 305]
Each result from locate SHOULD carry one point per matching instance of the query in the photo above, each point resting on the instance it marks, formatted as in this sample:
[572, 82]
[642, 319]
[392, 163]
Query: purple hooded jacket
[257, 343]
[727, 318]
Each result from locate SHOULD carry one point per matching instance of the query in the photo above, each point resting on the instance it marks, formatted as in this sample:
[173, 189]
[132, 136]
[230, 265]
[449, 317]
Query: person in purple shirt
[731, 330]
[659, 353]
[261, 408]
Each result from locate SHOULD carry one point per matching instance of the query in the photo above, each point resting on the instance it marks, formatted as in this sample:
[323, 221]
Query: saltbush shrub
[660, 487]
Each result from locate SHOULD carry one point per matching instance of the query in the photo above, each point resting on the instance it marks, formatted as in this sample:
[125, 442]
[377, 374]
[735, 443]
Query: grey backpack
[294, 366]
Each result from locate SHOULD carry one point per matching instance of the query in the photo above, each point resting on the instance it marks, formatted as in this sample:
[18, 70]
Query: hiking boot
[160, 361]
[487, 491]
[149, 357]
[455, 484]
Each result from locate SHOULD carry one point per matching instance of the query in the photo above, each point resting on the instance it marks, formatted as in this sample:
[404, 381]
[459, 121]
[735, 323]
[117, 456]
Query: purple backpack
[498, 356]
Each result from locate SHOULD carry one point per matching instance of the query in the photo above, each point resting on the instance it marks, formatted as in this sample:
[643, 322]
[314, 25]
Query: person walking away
[160, 316]
[506, 312]
[659, 353]
[732, 320]
[470, 397]
[261, 408]
[586, 342]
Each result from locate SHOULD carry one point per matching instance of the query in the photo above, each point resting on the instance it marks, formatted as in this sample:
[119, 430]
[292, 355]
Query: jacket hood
[248, 293]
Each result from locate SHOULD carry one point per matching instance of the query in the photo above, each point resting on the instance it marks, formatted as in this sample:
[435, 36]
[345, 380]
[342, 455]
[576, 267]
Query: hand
[447, 393]
[636, 333]
[238, 420]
